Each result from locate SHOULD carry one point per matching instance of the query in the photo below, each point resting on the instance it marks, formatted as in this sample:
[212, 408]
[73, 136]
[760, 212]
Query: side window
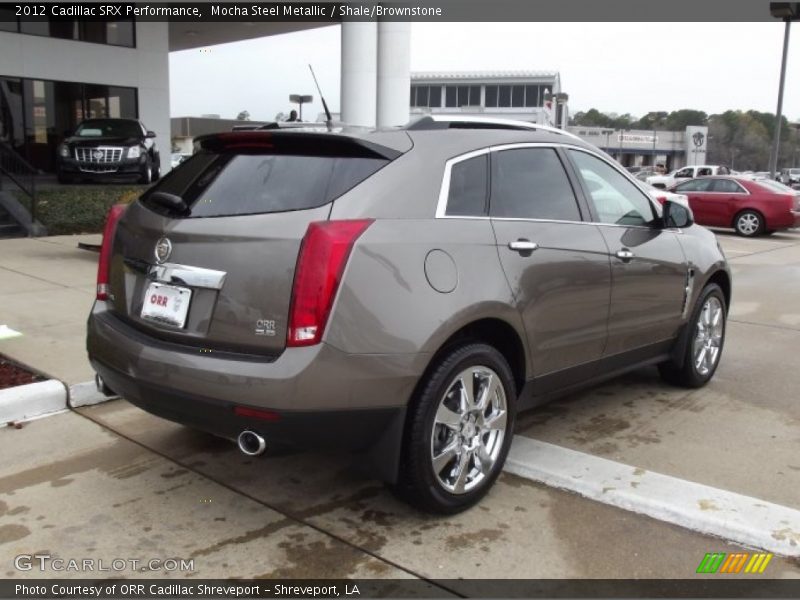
[530, 183]
[695, 185]
[704, 172]
[616, 200]
[727, 186]
[684, 173]
[469, 182]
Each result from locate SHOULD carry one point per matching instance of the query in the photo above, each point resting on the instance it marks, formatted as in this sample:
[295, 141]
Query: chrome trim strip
[444, 191]
[187, 275]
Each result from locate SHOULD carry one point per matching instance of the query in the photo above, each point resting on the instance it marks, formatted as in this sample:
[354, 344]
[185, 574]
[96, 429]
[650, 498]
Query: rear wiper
[170, 201]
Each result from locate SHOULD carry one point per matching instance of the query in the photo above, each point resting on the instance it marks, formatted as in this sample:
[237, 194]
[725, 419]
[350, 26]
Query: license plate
[167, 304]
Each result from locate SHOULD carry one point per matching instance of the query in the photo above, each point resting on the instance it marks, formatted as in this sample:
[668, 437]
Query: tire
[157, 170]
[147, 173]
[749, 223]
[441, 470]
[706, 333]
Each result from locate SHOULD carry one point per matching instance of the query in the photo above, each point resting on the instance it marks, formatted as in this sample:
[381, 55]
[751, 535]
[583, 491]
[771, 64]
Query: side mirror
[151, 134]
[677, 215]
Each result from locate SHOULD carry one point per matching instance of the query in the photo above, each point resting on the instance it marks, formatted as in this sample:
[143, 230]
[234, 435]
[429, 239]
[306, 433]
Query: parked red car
[750, 207]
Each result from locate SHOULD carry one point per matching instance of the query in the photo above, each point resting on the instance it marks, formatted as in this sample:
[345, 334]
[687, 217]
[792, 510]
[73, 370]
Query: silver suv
[401, 294]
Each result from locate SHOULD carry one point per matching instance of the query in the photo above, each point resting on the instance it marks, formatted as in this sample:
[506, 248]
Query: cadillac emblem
[98, 154]
[163, 250]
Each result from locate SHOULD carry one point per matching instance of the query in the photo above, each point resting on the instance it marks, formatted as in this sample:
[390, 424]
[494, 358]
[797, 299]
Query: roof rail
[429, 122]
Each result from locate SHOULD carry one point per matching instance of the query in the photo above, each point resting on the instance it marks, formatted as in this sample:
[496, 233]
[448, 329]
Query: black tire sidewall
[429, 494]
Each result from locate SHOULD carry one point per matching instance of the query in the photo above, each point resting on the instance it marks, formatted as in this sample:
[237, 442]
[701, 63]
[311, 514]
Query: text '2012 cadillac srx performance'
[400, 293]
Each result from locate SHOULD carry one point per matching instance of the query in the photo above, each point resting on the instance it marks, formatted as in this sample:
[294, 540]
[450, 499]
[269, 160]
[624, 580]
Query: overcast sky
[614, 67]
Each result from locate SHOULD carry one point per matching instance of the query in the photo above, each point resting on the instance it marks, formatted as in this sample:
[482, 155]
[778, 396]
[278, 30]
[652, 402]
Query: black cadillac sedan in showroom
[109, 149]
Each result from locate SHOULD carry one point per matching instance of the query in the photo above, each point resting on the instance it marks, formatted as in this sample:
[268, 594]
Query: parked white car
[662, 196]
[690, 172]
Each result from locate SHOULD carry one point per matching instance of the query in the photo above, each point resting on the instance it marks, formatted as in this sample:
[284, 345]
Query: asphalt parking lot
[110, 481]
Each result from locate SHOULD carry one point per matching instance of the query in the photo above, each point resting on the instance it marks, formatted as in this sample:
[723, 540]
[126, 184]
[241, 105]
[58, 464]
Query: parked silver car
[402, 293]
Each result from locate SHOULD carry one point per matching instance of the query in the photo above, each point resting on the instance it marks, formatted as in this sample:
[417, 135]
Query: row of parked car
[751, 203]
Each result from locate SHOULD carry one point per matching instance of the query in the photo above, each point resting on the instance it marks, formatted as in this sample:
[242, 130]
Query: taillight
[661, 199]
[104, 264]
[323, 256]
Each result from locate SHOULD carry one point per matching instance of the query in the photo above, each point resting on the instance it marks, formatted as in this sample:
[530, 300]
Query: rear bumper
[323, 398]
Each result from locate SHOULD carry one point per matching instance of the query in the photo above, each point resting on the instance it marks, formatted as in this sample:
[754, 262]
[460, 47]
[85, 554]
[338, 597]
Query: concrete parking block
[742, 519]
[24, 402]
[86, 394]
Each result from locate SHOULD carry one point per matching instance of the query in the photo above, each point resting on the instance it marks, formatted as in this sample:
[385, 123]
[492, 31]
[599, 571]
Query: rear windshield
[215, 185]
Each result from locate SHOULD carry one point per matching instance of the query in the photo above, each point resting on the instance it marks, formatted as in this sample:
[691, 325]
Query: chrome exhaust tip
[251, 443]
[102, 387]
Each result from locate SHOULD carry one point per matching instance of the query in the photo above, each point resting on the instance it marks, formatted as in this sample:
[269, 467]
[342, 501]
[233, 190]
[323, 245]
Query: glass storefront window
[114, 33]
[12, 124]
[36, 115]
[8, 20]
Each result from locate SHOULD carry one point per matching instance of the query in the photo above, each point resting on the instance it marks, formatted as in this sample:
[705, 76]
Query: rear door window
[726, 186]
[215, 185]
[531, 183]
[469, 186]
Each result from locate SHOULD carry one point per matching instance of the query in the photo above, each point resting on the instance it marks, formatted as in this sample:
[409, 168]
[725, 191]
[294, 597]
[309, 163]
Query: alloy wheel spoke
[484, 459]
[698, 361]
[496, 421]
[448, 417]
[462, 471]
[447, 454]
[467, 393]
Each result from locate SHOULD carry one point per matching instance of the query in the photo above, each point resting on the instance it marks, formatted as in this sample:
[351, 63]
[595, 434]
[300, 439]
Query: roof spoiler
[293, 142]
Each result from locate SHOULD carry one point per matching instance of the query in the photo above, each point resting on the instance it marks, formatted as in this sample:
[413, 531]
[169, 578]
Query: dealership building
[55, 73]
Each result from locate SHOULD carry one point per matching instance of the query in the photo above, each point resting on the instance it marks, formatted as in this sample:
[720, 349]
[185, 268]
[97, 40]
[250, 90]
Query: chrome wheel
[748, 224]
[469, 429]
[708, 337]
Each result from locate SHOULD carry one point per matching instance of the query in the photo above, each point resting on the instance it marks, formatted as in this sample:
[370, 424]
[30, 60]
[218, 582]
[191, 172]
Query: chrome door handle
[624, 255]
[523, 246]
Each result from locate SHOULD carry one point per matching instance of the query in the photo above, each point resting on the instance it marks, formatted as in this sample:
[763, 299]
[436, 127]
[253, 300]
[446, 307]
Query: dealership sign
[637, 139]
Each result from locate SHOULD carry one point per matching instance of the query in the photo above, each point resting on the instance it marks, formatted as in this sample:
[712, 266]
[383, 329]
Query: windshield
[109, 128]
[794, 171]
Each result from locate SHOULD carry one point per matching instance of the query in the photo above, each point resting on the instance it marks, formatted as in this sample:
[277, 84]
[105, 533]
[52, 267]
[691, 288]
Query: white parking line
[741, 519]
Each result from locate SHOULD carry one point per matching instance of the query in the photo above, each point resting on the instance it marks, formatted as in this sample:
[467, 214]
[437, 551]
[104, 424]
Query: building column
[394, 79]
[359, 71]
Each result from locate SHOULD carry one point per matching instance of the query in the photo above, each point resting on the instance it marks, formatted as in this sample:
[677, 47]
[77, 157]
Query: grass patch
[73, 209]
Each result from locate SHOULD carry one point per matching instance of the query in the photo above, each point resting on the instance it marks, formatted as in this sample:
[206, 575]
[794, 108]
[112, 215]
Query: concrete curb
[741, 519]
[32, 400]
[86, 394]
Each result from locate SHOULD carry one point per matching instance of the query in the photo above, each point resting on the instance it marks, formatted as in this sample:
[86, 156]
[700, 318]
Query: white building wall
[145, 67]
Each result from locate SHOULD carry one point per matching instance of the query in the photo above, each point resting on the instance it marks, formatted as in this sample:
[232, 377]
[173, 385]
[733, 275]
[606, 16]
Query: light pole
[300, 100]
[788, 12]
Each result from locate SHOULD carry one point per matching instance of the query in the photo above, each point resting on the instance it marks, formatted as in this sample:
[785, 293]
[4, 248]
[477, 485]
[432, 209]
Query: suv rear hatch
[207, 256]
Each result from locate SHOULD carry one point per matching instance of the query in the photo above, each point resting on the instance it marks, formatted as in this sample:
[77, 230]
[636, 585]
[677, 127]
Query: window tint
[216, 185]
[727, 186]
[616, 200]
[469, 180]
[695, 185]
[530, 183]
[704, 172]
